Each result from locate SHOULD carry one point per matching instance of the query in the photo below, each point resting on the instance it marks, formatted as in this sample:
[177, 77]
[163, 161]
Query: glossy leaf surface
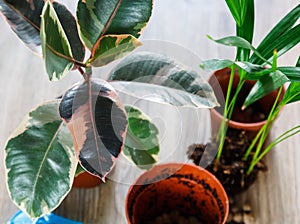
[141, 143]
[24, 17]
[40, 161]
[185, 87]
[55, 44]
[243, 14]
[112, 47]
[292, 94]
[282, 37]
[97, 18]
[217, 64]
[98, 123]
[293, 73]
[241, 43]
[265, 85]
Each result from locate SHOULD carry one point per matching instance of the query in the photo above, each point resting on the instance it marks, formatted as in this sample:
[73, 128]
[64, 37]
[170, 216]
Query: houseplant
[40, 159]
[239, 157]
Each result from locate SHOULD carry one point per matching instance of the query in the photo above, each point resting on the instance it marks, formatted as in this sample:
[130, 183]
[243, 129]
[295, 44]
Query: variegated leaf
[141, 143]
[24, 18]
[56, 48]
[98, 123]
[185, 87]
[40, 161]
[97, 18]
[112, 47]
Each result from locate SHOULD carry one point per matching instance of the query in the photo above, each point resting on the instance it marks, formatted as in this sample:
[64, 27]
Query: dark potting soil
[232, 167]
[175, 217]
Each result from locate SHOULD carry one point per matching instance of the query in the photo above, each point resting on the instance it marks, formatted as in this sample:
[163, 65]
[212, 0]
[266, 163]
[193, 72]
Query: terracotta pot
[248, 119]
[86, 180]
[187, 189]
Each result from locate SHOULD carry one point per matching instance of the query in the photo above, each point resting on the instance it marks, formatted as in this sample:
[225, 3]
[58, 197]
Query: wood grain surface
[275, 197]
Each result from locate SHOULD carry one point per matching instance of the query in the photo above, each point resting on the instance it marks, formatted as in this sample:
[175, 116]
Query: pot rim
[179, 165]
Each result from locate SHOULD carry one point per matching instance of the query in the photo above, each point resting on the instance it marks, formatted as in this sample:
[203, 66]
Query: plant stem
[228, 109]
[223, 127]
[263, 133]
[279, 139]
[271, 118]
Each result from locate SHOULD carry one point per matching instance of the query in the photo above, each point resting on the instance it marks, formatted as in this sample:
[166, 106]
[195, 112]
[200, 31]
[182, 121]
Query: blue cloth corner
[21, 218]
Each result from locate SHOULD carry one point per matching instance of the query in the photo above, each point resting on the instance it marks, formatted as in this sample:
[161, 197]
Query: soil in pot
[176, 193]
[231, 170]
[232, 167]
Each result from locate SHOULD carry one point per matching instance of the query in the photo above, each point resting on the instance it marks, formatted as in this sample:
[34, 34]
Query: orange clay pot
[186, 188]
[219, 82]
[86, 180]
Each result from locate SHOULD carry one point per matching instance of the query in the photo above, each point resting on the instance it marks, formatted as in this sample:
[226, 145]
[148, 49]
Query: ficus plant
[89, 126]
[259, 64]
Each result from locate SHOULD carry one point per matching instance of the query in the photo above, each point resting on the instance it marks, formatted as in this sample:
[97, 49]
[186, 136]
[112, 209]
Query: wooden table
[24, 84]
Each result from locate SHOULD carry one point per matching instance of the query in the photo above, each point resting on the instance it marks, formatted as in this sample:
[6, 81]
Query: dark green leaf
[292, 94]
[217, 64]
[79, 170]
[282, 37]
[24, 17]
[282, 44]
[40, 161]
[112, 47]
[265, 85]
[293, 73]
[239, 42]
[99, 17]
[158, 70]
[141, 143]
[69, 26]
[245, 30]
[98, 123]
[162, 94]
[298, 62]
[55, 45]
[235, 9]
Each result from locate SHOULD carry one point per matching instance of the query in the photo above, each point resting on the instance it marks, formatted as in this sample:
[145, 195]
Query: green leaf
[235, 9]
[293, 73]
[97, 121]
[158, 71]
[112, 47]
[282, 37]
[245, 30]
[40, 161]
[79, 170]
[97, 18]
[141, 143]
[292, 94]
[217, 64]
[241, 43]
[298, 62]
[55, 45]
[265, 85]
[162, 94]
[24, 18]
[283, 44]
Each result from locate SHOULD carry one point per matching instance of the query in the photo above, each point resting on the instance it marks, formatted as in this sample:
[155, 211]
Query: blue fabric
[22, 218]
